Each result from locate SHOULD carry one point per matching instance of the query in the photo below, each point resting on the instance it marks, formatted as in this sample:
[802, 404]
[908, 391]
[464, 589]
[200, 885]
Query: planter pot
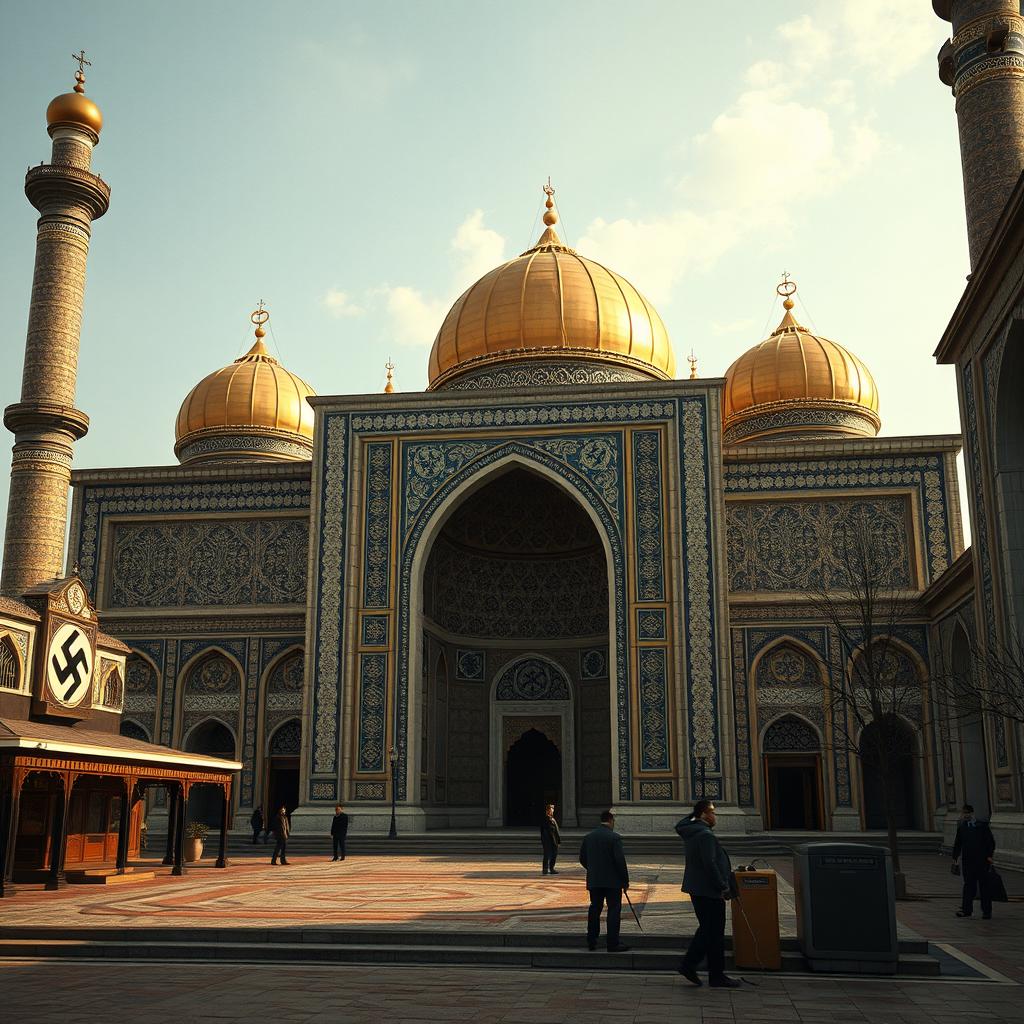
[193, 850]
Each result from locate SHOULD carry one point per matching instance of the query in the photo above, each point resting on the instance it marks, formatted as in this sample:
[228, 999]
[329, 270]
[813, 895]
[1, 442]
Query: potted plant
[195, 833]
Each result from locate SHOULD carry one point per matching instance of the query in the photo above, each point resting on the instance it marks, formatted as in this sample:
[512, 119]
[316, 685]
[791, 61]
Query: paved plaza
[430, 896]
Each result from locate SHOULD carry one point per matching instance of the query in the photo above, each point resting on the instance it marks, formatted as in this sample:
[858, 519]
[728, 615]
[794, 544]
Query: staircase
[649, 953]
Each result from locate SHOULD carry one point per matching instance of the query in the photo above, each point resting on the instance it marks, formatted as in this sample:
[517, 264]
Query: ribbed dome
[798, 384]
[551, 303]
[253, 408]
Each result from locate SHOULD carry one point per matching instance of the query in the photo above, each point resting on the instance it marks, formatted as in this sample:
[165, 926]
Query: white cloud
[732, 326]
[415, 318]
[340, 303]
[478, 249]
[884, 37]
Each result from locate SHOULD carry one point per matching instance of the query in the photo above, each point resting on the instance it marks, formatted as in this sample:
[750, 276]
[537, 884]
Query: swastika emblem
[69, 665]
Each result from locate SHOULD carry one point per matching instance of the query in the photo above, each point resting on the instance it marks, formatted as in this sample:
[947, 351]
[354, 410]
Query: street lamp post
[393, 758]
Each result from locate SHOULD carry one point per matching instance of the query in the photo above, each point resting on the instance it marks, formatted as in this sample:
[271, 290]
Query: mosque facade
[560, 573]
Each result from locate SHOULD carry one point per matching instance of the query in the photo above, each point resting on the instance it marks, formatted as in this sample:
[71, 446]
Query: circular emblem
[76, 598]
[69, 665]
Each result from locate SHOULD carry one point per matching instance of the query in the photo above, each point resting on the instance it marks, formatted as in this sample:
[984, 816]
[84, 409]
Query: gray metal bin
[846, 907]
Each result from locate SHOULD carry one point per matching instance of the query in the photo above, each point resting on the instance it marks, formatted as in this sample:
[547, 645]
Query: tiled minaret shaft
[45, 423]
[983, 62]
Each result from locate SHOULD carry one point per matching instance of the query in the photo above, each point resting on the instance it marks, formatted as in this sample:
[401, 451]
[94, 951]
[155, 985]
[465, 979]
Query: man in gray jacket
[708, 879]
[607, 875]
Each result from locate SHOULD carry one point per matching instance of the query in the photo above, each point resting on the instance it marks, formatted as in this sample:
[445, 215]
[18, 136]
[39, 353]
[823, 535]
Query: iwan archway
[512, 605]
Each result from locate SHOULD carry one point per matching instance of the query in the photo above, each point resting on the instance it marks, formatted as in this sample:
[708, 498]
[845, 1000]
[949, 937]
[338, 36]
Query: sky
[357, 165]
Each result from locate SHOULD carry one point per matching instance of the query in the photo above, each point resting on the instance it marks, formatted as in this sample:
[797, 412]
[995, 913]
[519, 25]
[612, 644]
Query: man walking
[708, 879]
[281, 827]
[550, 840]
[607, 875]
[975, 846]
[339, 829]
[256, 823]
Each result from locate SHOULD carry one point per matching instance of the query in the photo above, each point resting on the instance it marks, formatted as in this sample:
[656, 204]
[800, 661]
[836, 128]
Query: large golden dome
[252, 409]
[566, 317]
[796, 384]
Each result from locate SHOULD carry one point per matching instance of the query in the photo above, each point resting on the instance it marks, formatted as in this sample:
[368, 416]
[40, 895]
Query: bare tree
[863, 598]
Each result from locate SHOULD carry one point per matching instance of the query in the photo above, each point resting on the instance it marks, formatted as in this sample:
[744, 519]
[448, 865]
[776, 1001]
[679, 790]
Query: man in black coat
[339, 829]
[707, 877]
[281, 827]
[256, 823]
[550, 840]
[974, 846]
[607, 875]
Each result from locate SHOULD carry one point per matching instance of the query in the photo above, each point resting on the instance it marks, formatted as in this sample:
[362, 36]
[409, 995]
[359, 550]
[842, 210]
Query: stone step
[636, 959]
[373, 936]
[108, 876]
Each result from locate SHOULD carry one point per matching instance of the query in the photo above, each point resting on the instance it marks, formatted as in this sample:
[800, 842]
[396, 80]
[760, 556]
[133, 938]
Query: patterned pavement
[503, 894]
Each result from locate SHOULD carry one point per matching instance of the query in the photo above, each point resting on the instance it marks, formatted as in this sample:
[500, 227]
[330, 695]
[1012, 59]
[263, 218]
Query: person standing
[707, 878]
[281, 827]
[550, 840]
[339, 829]
[607, 875]
[256, 823]
[975, 846]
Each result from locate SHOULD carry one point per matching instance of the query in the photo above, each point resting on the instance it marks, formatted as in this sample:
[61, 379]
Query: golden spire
[389, 387]
[259, 317]
[787, 289]
[692, 360]
[550, 236]
[80, 73]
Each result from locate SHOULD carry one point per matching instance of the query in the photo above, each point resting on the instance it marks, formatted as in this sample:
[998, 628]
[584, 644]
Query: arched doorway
[533, 778]
[972, 732]
[792, 775]
[205, 803]
[888, 760]
[283, 753]
[516, 568]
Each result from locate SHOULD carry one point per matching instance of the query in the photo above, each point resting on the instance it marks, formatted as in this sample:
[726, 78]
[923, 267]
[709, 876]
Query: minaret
[45, 423]
[984, 65]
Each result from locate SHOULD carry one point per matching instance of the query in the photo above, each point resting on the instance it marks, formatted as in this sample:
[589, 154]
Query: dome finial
[550, 214]
[389, 387]
[259, 317]
[80, 73]
[692, 360]
[787, 289]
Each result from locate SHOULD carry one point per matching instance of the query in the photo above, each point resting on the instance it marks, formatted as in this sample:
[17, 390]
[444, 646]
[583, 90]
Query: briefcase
[996, 887]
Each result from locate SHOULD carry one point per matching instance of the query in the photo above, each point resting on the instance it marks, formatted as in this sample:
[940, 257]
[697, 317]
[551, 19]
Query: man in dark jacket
[707, 877]
[607, 875]
[550, 839]
[339, 829]
[281, 827]
[975, 846]
[256, 823]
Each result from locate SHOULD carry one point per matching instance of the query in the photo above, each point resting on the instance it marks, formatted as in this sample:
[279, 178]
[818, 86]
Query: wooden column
[56, 878]
[222, 853]
[9, 829]
[124, 831]
[172, 820]
[179, 831]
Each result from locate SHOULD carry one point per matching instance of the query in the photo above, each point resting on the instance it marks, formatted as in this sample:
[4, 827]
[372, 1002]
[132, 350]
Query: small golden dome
[75, 109]
[253, 408]
[551, 303]
[798, 384]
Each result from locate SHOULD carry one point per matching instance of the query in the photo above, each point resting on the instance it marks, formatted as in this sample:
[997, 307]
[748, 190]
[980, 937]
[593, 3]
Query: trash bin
[846, 907]
[755, 921]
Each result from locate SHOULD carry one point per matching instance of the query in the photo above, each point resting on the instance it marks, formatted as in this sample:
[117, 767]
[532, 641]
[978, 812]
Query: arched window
[113, 689]
[133, 731]
[10, 666]
[790, 734]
